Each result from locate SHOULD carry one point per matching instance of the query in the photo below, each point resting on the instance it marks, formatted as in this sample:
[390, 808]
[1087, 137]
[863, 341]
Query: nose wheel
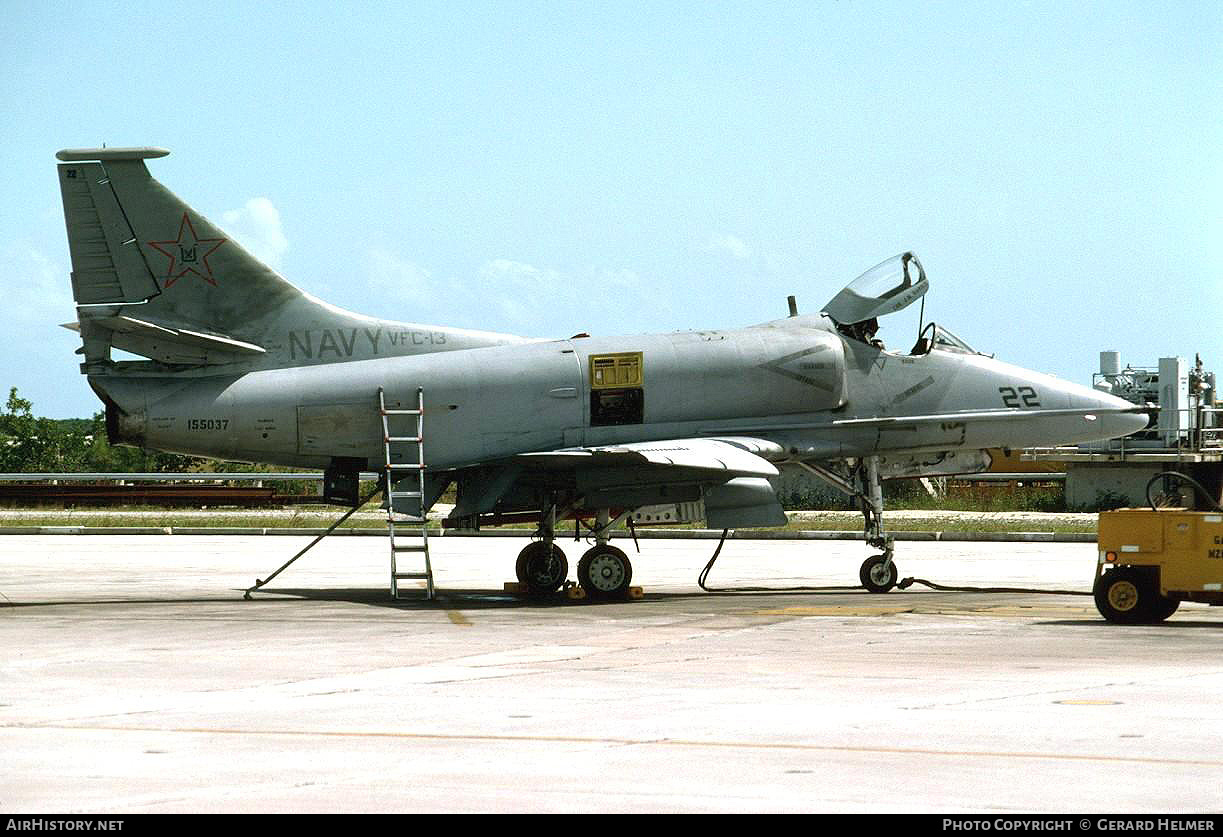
[878, 573]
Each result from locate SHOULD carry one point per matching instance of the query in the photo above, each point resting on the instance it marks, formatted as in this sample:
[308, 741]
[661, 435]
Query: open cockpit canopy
[884, 289]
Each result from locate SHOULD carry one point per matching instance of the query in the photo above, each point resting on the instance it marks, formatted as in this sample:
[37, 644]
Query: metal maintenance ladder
[408, 535]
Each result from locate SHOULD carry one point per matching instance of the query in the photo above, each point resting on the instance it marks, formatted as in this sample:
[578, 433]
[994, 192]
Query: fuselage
[796, 382]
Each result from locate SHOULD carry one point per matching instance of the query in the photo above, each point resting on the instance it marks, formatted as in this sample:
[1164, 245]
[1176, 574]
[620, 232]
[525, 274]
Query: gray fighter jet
[242, 365]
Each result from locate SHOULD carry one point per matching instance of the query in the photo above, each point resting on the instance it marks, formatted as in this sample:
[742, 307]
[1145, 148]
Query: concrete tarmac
[135, 678]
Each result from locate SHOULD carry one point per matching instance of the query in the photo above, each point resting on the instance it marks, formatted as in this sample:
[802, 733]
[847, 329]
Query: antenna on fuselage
[793, 303]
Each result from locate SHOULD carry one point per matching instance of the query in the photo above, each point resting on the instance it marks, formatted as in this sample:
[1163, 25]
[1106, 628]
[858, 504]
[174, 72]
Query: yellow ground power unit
[1151, 560]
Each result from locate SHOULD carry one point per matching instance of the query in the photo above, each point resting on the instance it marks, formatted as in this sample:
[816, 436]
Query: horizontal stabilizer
[171, 345]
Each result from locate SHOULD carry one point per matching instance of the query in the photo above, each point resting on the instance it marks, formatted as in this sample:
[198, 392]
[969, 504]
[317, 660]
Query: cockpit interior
[889, 286]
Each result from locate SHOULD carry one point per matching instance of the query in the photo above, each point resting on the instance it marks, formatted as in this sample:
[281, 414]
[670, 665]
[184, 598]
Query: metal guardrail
[175, 477]
[1032, 476]
[372, 476]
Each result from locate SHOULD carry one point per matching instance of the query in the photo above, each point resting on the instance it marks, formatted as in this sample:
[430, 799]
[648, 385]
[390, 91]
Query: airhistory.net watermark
[61, 824]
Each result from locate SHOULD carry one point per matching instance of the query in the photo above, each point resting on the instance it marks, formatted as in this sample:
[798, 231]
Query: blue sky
[550, 168]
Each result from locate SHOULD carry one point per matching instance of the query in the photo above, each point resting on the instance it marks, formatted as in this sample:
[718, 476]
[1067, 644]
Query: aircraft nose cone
[1116, 417]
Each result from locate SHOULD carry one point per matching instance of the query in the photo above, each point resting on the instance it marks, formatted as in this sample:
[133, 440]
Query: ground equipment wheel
[605, 572]
[878, 574]
[1164, 607]
[540, 568]
[1129, 596]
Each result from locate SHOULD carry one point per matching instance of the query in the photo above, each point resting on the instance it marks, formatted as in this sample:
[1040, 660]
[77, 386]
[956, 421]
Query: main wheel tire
[878, 574]
[1130, 596]
[605, 572]
[541, 570]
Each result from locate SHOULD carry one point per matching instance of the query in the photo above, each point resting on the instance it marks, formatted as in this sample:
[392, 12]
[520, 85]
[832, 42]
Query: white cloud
[507, 274]
[38, 289]
[618, 280]
[38, 357]
[400, 279]
[730, 245]
[256, 226]
[503, 295]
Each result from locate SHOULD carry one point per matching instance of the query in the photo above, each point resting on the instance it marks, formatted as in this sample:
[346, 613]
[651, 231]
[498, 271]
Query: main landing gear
[542, 567]
[604, 572]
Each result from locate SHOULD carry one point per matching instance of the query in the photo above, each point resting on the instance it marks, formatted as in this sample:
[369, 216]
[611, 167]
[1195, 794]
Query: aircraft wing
[729, 473]
[723, 458]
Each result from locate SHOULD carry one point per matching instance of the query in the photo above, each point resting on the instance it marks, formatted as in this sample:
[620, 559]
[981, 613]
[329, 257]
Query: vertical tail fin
[153, 276]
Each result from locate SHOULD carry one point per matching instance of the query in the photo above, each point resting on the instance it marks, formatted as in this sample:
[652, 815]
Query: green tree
[30, 444]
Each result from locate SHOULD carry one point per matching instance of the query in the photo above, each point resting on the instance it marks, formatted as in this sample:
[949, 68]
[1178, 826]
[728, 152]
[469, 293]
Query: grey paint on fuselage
[491, 403]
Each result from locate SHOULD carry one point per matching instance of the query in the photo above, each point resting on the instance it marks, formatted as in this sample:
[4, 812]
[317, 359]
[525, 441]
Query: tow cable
[902, 585]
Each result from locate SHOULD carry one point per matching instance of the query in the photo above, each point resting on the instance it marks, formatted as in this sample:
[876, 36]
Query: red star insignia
[188, 253]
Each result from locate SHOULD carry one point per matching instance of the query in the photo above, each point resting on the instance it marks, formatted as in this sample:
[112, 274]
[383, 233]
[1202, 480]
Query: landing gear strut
[542, 565]
[878, 573]
[604, 571]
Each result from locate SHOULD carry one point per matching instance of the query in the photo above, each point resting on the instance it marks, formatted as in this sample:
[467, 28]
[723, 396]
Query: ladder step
[413, 536]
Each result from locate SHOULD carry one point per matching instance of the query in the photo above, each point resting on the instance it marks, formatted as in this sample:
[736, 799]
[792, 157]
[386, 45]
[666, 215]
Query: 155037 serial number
[207, 424]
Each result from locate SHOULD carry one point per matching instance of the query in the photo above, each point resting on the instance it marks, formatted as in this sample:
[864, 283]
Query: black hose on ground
[904, 584]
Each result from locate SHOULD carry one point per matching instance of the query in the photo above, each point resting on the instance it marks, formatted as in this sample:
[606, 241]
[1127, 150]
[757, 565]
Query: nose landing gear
[878, 573]
[542, 567]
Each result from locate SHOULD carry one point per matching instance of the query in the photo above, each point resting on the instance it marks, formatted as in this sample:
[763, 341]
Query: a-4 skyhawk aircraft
[242, 365]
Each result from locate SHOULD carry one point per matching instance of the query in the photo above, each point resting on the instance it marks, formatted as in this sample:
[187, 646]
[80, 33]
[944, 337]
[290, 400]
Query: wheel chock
[573, 592]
